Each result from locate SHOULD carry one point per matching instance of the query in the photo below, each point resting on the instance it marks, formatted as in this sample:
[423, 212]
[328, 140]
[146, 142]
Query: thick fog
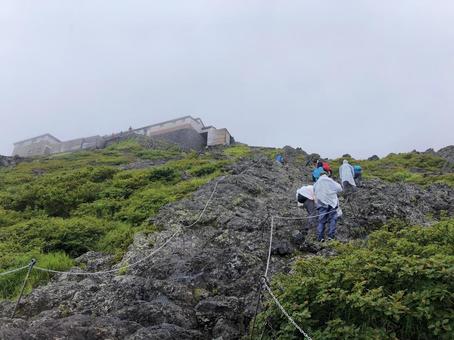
[333, 77]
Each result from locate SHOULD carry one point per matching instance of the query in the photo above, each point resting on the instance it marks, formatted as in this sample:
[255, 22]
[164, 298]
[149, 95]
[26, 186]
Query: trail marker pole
[30, 267]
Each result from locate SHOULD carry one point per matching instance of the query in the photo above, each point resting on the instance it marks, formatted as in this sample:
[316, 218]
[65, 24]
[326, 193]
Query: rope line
[111, 270]
[270, 247]
[14, 270]
[267, 287]
[272, 231]
[268, 261]
[146, 257]
[265, 283]
[141, 260]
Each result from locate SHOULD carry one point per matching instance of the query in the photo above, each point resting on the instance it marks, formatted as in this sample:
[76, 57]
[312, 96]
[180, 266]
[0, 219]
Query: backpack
[327, 168]
[357, 169]
[280, 159]
[316, 174]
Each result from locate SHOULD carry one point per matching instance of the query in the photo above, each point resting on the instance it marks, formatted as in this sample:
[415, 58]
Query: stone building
[187, 132]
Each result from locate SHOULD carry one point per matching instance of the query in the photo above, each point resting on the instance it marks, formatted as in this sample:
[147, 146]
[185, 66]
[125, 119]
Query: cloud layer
[334, 77]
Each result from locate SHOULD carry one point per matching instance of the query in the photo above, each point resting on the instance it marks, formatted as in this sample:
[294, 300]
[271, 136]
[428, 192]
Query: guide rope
[13, 270]
[276, 301]
[141, 260]
[268, 261]
[265, 282]
[149, 255]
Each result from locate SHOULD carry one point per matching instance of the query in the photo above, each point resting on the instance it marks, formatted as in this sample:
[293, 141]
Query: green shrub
[58, 207]
[105, 208]
[165, 174]
[8, 217]
[204, 169]
[398, 286]
[145, 204]
[73, 236]
[238, 151]
[419, 168]
[10, 285]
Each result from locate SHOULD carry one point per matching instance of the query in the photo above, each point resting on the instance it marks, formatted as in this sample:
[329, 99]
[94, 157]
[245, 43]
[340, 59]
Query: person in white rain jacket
[347, 176]
[326, 190]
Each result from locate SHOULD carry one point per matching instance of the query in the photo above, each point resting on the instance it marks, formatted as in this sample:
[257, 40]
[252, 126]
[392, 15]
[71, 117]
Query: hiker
[325, 190]
[279, 159]
[318, 168]
[358, 174]
[305, 197]
[346, 174]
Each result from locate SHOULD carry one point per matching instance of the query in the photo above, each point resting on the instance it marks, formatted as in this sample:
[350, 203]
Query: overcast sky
[333, 77]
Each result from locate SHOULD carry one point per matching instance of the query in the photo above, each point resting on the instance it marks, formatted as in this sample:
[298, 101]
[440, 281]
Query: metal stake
[30, 267]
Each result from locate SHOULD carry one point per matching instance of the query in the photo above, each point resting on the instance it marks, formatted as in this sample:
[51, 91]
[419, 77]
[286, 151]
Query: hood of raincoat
[347, 173]
[306, 191]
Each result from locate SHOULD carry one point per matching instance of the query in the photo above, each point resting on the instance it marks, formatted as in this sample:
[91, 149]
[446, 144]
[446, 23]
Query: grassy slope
[412, 167]
[57, 208]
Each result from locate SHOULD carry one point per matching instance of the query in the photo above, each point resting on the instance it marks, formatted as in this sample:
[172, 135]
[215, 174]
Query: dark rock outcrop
[447, 153]
[9, 161]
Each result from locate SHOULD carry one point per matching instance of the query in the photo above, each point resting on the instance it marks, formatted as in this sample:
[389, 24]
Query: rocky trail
[203, 284]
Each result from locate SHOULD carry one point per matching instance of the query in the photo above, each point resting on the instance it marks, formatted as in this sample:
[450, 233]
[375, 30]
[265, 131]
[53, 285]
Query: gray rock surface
[9, 161]
[203, 284]
[447, 153]
[373, 158]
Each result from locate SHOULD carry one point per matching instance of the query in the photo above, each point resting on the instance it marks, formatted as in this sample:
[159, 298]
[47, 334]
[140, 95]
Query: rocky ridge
[203, 284]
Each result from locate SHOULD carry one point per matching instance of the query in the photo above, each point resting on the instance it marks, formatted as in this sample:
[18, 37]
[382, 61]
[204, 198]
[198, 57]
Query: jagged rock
[292, 155]
[94, 261]
[313, 157]
[347, 155]
[225, 330]
[9, 161]
[165, 332]
[447, 153]
[373, 158]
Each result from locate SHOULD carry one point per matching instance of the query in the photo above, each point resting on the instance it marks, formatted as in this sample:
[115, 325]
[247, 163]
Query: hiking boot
[331, 239]
[321, 240]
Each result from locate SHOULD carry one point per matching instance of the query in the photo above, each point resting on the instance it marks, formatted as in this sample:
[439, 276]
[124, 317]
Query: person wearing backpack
[279, 159]
[319, 167]
[358, 174]
[327, 203]
[316, 174]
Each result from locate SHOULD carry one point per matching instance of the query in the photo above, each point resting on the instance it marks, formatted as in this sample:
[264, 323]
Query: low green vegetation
[57, 208]
[238, 151]
[399, 285]
[412, 167]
